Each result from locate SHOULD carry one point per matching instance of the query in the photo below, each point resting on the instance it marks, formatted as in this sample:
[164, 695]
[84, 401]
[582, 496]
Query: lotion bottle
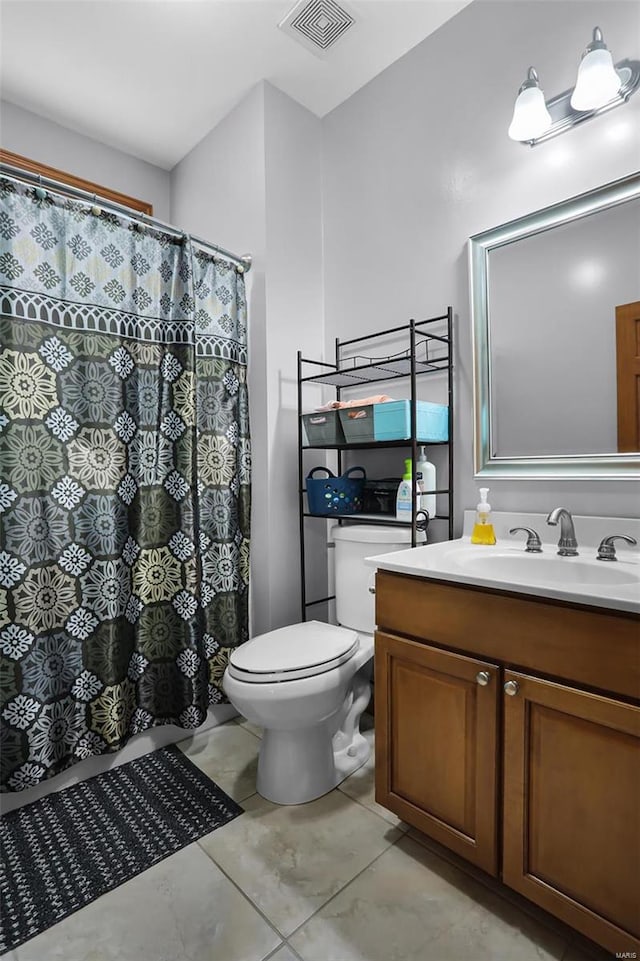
[483, 532]
[404, 497]
[426, 481]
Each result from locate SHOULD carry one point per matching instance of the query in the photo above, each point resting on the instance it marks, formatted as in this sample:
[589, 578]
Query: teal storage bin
[392, 421]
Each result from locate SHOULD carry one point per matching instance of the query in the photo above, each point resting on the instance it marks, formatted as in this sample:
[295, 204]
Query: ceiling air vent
[317, 24]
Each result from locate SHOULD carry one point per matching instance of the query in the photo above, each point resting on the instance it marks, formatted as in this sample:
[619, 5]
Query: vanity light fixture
[598, 81]
[530, 115]
[600, 86]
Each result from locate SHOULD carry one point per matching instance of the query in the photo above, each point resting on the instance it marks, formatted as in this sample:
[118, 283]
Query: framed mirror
[555, 300]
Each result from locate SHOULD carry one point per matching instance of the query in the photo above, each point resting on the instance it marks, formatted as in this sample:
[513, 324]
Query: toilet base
[299, 766]
[296, 766]
[349, 760]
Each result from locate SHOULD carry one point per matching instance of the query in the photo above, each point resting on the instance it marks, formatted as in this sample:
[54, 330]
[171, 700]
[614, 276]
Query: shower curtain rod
[19, 175]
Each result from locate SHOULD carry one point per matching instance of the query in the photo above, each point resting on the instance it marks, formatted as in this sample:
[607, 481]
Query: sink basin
[537, 569]
[505, 567]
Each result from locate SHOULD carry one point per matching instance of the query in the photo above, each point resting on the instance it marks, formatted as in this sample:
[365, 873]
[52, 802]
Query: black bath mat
[63, 851]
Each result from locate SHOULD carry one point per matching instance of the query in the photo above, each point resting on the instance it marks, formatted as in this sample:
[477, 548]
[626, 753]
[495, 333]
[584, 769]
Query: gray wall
[419, 160]
[32, 136]
[254, 184]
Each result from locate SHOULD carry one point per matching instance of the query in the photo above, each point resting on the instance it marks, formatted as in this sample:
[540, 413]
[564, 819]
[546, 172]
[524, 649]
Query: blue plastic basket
[335, 495]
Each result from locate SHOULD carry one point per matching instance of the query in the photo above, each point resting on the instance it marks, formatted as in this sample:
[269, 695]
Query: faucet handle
[607, 550]
[533, 545]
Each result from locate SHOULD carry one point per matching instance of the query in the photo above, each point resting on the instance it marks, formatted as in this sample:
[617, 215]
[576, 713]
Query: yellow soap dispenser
[483, 532]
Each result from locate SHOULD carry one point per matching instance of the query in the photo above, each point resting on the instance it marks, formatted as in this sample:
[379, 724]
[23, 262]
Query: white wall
[38, 139]
[293, 153]
[254, 184]
[218, 192]
[419, 160]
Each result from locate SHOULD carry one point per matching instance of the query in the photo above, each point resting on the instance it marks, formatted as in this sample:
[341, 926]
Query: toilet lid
[300, 650]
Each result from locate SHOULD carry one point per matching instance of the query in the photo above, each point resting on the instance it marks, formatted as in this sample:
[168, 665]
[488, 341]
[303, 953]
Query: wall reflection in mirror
[556, 314]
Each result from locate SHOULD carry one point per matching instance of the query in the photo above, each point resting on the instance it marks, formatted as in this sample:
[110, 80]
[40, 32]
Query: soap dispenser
[483, 532]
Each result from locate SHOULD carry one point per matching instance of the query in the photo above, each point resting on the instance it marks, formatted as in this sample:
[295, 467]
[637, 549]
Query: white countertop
[506, 566]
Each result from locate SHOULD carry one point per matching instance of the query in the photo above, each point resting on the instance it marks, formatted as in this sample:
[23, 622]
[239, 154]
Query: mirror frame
[613, 466]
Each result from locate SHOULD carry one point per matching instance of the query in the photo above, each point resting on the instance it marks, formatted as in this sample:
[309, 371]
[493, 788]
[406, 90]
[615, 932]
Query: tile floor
[339, 879]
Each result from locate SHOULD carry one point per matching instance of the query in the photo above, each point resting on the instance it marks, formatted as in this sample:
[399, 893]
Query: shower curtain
[124, 480]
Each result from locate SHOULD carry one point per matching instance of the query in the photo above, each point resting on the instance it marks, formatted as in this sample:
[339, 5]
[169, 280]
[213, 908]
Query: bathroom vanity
[508, 723]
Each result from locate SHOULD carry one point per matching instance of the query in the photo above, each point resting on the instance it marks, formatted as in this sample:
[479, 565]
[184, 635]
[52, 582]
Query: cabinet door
[436, 728]
[572, 807]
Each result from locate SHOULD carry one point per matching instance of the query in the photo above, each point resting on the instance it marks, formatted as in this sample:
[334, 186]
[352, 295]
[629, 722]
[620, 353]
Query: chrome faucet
[567, 545]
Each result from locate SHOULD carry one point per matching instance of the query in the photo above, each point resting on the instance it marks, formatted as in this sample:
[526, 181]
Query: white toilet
[307, 684]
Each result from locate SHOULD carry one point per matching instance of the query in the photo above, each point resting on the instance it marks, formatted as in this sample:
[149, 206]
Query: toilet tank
[355, 604]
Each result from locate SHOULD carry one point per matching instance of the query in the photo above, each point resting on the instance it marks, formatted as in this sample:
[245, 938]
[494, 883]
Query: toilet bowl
[306, 685]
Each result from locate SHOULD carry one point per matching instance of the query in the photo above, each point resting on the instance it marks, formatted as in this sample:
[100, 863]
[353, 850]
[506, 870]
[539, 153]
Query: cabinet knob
[511, 688]
[372, 590]
[483, 678]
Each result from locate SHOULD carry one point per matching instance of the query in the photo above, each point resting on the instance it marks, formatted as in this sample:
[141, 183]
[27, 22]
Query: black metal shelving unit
[344, 374]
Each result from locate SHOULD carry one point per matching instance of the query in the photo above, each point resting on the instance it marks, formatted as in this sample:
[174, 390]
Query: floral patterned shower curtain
[124, 481]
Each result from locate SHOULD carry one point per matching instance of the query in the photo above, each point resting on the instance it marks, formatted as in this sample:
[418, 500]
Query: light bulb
[598, 82]
[530, 115]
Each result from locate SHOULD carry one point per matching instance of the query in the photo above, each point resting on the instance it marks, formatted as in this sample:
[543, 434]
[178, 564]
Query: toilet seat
[289, 653]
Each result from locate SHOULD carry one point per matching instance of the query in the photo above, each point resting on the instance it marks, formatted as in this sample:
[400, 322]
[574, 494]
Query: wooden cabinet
[439, 770]
[571, 803]
[537, 783]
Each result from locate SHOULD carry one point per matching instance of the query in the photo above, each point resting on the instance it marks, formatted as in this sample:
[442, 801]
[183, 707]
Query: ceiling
[153, 77]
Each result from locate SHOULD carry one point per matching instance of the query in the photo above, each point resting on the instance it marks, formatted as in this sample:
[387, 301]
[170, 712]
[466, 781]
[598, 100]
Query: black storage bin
[380, 496]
